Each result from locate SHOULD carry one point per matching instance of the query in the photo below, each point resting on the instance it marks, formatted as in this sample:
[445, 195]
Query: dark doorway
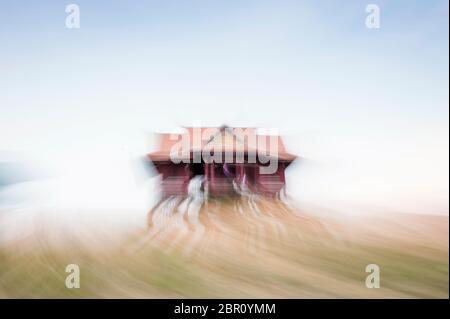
[197, 169]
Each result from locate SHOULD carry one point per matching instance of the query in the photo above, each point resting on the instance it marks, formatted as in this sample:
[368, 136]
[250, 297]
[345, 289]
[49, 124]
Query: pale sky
[367, 109]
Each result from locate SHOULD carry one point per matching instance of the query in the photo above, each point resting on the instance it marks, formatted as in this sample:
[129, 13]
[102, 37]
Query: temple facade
[226, 160]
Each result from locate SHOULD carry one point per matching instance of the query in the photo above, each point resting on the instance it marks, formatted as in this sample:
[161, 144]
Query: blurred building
[229, 161]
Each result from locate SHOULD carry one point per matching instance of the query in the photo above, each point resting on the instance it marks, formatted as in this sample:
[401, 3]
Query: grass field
[248, 247]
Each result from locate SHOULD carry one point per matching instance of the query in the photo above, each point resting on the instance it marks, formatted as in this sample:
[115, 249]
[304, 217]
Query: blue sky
[368, 108]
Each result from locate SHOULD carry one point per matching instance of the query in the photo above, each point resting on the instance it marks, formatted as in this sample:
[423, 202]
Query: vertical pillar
[206, 181]
[206, 171]
[281, 168]
[256, 177]
[186, 177]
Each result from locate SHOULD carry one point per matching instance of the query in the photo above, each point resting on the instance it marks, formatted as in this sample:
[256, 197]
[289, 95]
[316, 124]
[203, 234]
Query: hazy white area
[366, 110]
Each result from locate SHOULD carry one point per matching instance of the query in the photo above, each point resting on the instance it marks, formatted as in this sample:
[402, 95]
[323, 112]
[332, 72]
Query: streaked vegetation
[246, 247]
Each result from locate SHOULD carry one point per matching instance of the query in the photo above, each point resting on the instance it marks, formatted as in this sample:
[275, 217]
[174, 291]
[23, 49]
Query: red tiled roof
[224, 139]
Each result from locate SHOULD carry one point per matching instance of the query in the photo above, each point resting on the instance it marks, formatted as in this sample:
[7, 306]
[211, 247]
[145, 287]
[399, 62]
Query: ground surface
[248, 247]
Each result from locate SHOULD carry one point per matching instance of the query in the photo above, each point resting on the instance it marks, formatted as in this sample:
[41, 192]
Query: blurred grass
[231, 249]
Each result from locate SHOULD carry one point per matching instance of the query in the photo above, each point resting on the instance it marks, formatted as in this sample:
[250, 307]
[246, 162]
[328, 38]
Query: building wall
[176, 177]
